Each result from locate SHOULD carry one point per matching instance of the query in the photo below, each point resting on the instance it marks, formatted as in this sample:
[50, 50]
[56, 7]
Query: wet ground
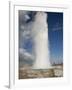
[26, 73]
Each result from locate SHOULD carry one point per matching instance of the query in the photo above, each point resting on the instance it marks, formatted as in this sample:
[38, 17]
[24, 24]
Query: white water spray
[40, 31]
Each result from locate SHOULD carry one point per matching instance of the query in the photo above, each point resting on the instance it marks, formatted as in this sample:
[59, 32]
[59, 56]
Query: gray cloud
[24, 35]
[25, 57]
[24, 28]
[23, 16]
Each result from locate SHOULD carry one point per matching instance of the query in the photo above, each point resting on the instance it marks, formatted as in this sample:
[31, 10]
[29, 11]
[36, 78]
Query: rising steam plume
[41, 41]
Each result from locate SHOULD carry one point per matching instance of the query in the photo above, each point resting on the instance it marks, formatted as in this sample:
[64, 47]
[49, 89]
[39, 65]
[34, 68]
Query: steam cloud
[36, 30]
[40, 31]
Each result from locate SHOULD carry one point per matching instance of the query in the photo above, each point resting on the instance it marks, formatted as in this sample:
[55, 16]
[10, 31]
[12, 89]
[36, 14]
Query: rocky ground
[56, 71]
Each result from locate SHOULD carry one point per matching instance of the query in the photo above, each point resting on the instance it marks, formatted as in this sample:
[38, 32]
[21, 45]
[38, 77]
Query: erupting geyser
[41, 44]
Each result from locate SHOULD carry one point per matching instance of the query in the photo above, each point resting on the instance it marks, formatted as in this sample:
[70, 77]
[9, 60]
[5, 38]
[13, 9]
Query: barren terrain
[27, 72]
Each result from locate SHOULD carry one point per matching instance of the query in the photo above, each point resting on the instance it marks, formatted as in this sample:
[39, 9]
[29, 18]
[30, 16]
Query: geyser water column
[41, 43]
